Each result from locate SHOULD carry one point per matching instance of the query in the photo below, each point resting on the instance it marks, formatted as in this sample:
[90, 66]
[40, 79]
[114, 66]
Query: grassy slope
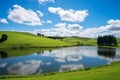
[17, 39]
[85, 41]
[118, 40]
[111, 72]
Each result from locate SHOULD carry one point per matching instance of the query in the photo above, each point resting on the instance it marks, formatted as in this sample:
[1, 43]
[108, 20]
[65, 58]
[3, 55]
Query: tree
[3, 38]
[78, 43]
[3, 54]
[107, 40]
[40, 34]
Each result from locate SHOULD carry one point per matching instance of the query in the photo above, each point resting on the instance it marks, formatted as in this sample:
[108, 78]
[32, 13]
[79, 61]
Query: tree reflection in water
[3, 54]
[106, 52]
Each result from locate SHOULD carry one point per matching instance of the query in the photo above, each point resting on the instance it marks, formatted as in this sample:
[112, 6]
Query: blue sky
[84, 18]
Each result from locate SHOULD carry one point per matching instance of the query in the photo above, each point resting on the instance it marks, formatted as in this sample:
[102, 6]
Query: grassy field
[109, 72]
[82, 41]
[22, 39]
[118, 40]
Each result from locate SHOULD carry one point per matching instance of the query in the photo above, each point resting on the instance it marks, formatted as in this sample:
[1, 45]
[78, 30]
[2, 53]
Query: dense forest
[107, 40]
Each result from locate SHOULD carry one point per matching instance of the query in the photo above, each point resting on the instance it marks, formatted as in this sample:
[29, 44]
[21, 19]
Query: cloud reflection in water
[27, 67]
[70, 67]
[62, 59]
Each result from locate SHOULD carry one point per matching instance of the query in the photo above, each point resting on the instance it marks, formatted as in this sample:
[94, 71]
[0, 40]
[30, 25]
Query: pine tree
[107, 40]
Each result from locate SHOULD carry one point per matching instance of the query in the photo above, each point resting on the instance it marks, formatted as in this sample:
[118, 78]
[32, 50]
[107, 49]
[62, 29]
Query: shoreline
[30, 47]
[33, 47]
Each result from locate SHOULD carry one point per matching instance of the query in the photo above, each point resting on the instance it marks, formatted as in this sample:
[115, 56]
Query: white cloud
[22, 16]
[60, 25]
[69, 15]
[54, 10]
[112, 27]
[40, 13]
[62, 29]
[74, 26]
[48, 21]
[4, 21]
[57, 31]
[44, 1]
[113, 24]
[88, 32]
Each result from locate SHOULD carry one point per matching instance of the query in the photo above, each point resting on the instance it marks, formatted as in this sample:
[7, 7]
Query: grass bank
[108, 72]
[23, 40]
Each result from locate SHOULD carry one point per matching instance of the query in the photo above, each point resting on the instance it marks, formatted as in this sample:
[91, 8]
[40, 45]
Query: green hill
[23, 39]
[82, 41]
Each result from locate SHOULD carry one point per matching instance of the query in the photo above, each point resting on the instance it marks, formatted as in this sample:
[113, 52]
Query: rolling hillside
[23, 39]
[82, 41]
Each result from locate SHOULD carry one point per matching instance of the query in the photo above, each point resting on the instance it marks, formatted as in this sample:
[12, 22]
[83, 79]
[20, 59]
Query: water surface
[57, 60]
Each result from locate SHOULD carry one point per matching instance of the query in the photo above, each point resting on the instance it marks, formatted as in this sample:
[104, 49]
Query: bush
[3, 38]
[87, 68]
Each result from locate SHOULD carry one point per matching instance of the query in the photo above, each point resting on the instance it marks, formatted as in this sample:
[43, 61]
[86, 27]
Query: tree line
[40, 34]
[107, 40]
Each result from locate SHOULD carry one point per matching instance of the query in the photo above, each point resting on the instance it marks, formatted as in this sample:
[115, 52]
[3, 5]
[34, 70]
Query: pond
[55, 60]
